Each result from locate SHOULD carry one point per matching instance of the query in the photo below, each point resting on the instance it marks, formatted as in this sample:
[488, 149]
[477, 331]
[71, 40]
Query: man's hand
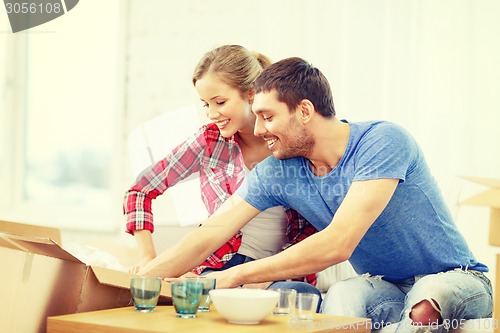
[227, 279]
[188, 274]
[224, 279]
[263, 285]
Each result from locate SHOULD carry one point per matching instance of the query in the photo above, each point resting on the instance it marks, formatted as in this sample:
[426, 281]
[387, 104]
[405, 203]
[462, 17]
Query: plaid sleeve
[183, 161]
[220, 257]
[299, 229]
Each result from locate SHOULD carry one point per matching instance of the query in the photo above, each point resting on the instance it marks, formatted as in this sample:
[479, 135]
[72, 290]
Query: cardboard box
[40, 279]
[496, 298]
[30, 230]
[490, 198]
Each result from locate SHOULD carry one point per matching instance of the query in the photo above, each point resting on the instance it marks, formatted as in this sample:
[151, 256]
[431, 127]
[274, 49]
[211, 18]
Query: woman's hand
[140, 265]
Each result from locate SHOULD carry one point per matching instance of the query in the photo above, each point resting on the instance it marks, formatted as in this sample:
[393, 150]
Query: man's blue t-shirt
[415, 234]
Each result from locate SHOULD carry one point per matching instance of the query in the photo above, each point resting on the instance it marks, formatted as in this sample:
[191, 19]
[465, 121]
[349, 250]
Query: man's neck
[332, 137]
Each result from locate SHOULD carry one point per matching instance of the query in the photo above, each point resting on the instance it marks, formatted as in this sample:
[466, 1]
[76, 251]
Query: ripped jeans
[458, 294]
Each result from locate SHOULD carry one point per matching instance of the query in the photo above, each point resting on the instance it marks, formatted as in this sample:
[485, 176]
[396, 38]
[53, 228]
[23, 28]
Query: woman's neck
[249, 139]
[253, 148]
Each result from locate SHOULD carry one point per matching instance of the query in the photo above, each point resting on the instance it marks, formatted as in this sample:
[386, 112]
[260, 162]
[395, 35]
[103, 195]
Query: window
[4, 92]
[61, 123]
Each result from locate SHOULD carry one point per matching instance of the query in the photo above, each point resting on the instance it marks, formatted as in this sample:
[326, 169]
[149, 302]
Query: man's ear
[306, 111]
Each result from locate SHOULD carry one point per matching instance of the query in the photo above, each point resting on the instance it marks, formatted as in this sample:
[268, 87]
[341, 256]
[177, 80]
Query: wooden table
[127, 320]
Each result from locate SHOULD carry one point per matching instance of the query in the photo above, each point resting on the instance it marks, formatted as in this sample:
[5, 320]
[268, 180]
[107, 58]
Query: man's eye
[267, 118]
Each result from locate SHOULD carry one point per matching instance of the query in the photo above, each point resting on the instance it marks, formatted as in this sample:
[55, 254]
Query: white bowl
[244, 306]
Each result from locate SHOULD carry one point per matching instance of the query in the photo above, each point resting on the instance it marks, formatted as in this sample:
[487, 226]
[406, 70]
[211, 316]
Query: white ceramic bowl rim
[244, 306]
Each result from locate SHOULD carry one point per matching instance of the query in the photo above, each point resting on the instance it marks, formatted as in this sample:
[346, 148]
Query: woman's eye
[221, 103]
[205, 105]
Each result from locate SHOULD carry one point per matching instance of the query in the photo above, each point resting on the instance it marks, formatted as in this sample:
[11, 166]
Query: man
[367, 190]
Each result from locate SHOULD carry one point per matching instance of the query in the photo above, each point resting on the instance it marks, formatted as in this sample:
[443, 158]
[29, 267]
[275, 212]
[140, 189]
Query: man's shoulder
[380, 129]
[377, 125]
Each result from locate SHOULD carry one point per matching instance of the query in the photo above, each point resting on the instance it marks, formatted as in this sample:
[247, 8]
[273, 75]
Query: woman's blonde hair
[234, 65]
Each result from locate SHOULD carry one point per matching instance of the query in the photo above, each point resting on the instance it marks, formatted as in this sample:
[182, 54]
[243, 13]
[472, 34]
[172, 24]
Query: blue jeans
[459, 295]
[301, 287]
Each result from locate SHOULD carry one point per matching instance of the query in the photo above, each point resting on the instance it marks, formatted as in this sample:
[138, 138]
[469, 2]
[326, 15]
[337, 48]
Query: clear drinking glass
[186, 296]
[305, 306]
[145, 292]
[208, 284]
[286, 301]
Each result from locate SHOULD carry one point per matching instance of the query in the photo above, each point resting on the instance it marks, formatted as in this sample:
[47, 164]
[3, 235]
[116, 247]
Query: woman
[221, 152]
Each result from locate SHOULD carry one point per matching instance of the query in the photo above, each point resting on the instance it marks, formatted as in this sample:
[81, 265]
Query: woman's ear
[251, 95]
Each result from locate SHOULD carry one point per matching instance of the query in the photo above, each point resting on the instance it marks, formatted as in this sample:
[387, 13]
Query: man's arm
[362, 205]
[203, 241]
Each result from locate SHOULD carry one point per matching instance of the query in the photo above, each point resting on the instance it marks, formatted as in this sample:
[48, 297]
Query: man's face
[283, 131]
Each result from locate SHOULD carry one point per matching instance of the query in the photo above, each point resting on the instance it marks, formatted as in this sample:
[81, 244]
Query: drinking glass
[145, 291]
[208, 284]
[305, 306]
[186, 296]
[286, 301]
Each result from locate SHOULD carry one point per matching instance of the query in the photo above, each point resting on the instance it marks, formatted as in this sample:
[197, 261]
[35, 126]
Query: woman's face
[225, 106]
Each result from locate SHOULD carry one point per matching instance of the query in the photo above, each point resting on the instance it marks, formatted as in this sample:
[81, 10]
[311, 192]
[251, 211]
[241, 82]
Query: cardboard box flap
[7, 244]
[112, 277]
[490, 197]
[121, 279]
[38, 245]
[30, 230]
[490, 182]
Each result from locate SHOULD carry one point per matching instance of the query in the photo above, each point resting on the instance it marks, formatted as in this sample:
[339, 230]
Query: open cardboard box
[496, 298]
[491, 198]
[40, 279]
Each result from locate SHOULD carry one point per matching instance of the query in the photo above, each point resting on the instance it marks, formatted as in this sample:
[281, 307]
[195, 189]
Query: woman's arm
[146, 249]
[183, 161]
